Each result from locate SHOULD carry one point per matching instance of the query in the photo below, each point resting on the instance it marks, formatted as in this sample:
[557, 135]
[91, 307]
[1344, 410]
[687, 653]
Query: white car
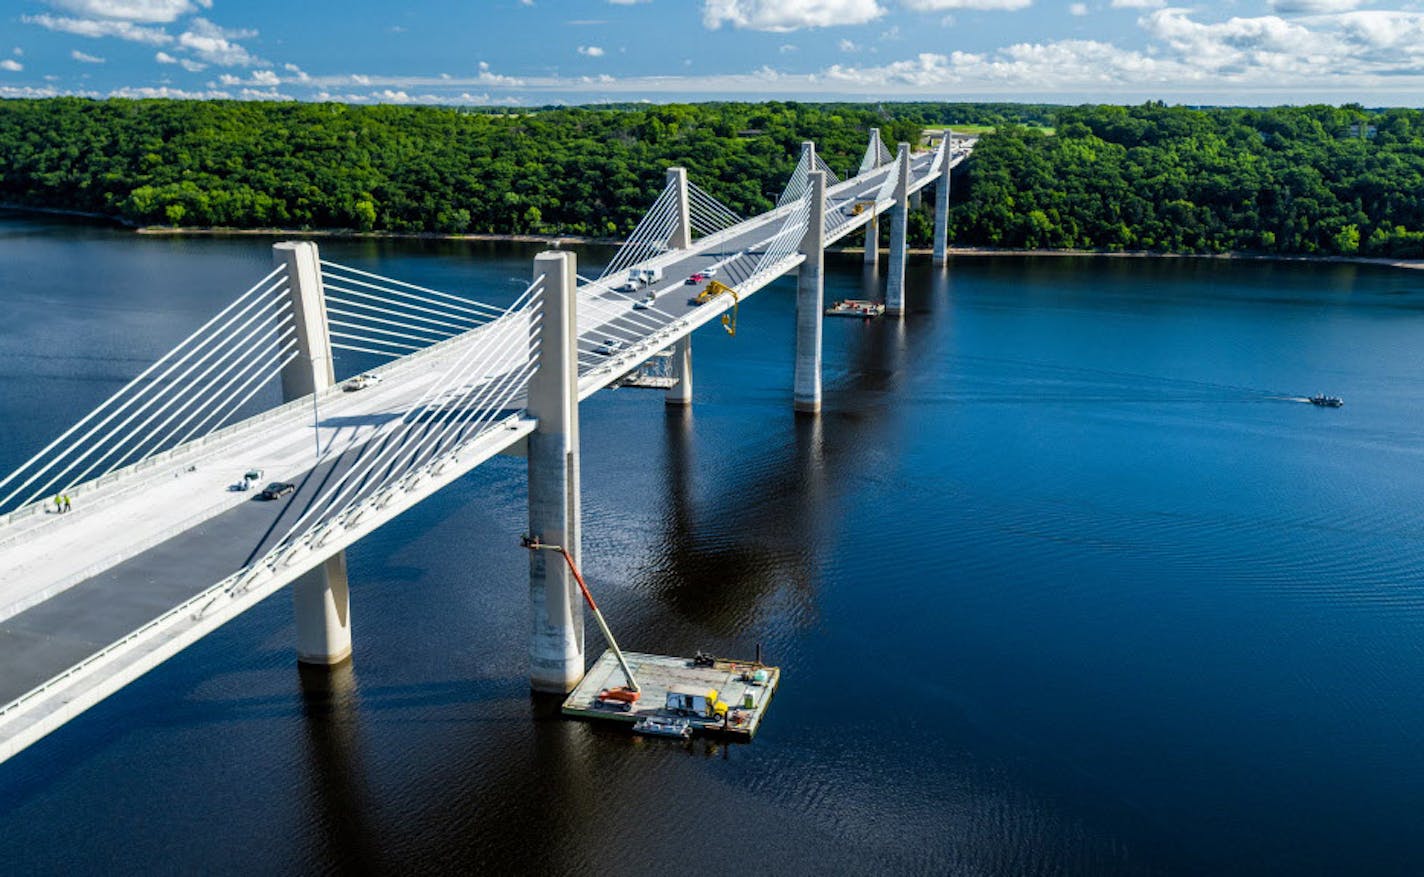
[628, 286]
[643, 304]
[609, 347]
[361, 382]
[709, 271]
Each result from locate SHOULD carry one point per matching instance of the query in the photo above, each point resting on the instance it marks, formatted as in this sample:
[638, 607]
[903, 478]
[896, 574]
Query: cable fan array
[876, 155]
[369, 313]
[192, 390]
[474, 393]
[798, 184]
[650, 237]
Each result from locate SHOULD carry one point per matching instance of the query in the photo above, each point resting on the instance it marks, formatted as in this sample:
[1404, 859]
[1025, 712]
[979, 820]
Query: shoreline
[352, 234]
[1382, 261]
[574, 240]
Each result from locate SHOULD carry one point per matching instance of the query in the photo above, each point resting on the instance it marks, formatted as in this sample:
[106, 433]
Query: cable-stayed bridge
[159, 549]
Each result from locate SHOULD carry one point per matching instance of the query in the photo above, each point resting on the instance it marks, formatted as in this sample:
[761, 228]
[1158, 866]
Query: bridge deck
[72, 585]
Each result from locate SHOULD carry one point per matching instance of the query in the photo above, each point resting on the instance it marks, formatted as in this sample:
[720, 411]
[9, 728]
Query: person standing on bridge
[66, 502]
[59, 503]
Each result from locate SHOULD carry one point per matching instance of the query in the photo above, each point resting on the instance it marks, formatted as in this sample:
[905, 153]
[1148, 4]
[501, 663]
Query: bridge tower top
[312, 370]
[681, 238]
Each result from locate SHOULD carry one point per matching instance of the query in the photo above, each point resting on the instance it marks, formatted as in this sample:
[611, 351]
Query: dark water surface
[1058, 587]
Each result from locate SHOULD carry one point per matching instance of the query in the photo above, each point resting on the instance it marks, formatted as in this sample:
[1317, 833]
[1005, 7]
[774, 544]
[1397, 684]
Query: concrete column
[899, 217]
[872, 228]
[681, 237]
[323, 606]
[320, 598]
[681, 393]
[941, 222]
[810, 301]
[311, 369]
[556, 660]
[916, 202]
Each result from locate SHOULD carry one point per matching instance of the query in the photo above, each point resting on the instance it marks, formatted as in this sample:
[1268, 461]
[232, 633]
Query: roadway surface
[72, 584]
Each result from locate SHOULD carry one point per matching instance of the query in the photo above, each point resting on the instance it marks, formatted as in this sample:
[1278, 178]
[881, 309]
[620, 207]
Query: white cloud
[12, 65]
[149, 11]
[123, 30]
[215, 45]
[1314, 6]
[1138, 4]
[168, 92]
[942, 5]
[786, 15]
[591, 51]
[186, 63]
[847, 46]
[1079, 9]
[85, 59]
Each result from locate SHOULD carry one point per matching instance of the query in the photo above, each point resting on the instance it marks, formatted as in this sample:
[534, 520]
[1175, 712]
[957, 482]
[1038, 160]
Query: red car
[696, 279]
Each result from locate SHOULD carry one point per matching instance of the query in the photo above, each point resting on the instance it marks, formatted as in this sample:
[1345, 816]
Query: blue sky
[520, 52]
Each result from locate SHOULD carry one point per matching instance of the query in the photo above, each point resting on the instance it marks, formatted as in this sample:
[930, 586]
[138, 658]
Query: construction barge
[856, 307]
[663, 696]
[715, 696]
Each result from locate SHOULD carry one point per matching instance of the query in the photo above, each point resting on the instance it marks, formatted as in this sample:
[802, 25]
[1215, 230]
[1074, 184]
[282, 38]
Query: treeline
[408, 169]
[1323, 180]
[1286, 180]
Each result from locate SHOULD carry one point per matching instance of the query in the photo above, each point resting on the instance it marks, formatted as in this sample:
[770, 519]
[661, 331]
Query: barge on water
[856, 307]
[679, 689]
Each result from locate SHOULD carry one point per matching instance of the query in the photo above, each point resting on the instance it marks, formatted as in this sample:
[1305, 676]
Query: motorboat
[663, 726]
[1324, 401]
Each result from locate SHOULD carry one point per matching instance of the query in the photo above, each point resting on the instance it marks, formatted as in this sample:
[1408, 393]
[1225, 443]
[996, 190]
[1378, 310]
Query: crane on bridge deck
[714, 289]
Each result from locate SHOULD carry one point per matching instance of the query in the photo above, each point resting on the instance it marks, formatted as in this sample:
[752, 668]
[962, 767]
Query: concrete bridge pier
[899, 218]
[941, 219]
[321, 598]
[680, 394]
[872, 228]
[810, 297]
[556, 658]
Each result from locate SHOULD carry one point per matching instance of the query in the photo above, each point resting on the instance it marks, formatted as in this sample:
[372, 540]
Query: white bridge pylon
[153, 463]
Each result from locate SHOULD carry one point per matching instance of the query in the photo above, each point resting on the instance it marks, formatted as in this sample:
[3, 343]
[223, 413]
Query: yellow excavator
[714, 289]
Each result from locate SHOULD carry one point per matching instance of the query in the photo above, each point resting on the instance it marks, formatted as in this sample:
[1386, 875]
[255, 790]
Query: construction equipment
[714, 289]
[619, 698]
[859, 207]
[686, 700]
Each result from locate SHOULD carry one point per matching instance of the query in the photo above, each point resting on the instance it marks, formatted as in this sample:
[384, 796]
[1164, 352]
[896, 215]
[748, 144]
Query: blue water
[1061, 583]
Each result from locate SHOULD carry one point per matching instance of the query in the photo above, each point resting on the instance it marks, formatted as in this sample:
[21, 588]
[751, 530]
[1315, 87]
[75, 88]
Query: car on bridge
[277, 490]
[695, 279]
[360, 382]
[610, 346]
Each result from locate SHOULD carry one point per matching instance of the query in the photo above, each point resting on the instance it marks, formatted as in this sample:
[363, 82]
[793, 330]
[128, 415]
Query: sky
[535, 52]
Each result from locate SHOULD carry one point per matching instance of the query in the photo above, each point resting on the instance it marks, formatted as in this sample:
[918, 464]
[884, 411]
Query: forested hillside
[575, 171]
[1314, 180]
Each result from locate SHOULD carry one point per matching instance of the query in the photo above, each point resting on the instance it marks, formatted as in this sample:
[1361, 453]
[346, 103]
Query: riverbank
[73, 214]
[1413, 264]
[559, 240]
[353, 234]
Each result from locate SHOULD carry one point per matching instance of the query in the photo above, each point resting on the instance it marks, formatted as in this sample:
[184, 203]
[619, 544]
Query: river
[1061, 582]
